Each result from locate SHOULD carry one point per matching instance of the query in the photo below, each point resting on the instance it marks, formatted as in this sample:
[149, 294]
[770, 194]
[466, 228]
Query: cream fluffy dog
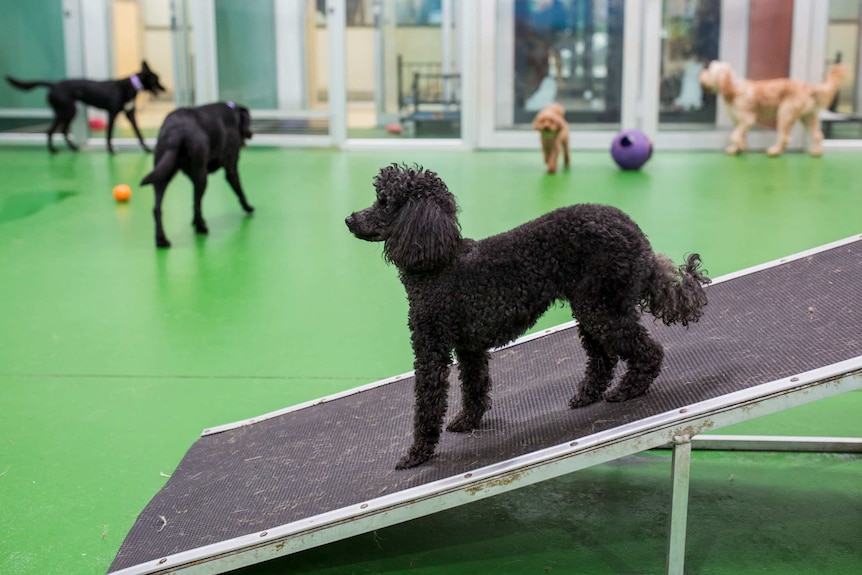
[782, 100]
[551, 124]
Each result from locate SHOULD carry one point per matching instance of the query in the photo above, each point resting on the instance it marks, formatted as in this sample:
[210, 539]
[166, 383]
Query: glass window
[690, 36]
[565, 51]
[842, 46]
[403, 72]
[31, 48]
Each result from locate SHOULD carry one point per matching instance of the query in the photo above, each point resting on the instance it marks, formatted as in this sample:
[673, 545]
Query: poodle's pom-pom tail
[676, 294]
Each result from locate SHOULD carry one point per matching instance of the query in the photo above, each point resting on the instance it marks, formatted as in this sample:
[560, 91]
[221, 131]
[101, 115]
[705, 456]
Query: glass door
[759, 39]
[582, 54]
[271, 56]
[39, 40]
[403, 69]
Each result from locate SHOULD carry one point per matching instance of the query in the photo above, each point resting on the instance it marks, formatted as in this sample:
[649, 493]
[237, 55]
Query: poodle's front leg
[431, 388]
[744, 122]
[475, 388]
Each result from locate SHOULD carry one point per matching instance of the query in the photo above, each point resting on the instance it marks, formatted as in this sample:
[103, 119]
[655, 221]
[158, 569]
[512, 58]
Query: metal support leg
[680, 475]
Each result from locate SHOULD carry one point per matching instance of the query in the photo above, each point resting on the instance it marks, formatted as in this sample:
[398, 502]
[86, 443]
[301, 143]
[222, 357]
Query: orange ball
[122, 192]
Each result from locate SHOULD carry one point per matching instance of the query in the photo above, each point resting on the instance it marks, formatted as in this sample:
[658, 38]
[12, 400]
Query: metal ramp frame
[774, 336]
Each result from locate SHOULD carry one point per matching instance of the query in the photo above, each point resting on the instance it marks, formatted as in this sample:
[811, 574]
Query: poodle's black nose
[349, 220]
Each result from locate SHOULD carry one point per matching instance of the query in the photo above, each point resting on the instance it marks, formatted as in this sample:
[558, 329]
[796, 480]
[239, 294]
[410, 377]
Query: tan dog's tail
[825, 92]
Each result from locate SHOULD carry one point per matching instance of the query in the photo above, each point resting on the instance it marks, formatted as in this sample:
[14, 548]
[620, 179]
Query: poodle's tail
[676, 294]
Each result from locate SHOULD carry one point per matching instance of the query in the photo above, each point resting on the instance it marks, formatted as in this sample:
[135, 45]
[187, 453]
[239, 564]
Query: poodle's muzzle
[363, 226]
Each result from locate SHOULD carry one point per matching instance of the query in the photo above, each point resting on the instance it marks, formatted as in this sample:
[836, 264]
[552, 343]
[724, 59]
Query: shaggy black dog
[199, 141]
[468, 296]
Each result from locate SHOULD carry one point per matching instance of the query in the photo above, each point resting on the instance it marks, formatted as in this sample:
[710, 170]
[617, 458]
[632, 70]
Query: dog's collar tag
[136, 82]
[231, 105]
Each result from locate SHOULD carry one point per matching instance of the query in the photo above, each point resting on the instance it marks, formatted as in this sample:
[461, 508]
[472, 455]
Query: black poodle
[468, 296]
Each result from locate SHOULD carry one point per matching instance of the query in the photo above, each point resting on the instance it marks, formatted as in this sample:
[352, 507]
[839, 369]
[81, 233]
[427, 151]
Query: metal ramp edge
[677, 427]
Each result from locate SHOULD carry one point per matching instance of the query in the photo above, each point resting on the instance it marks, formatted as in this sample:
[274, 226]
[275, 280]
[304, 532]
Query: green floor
[114, 356]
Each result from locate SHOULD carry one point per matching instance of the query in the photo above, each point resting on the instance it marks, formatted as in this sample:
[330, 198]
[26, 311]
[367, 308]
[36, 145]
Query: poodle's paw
[248, 209]
[582, 400]
[416, 456]
[732, 150]
[464, 422]
[619, 393]
[201, 227]
[774, 151]
[162, 242]
[816, 152]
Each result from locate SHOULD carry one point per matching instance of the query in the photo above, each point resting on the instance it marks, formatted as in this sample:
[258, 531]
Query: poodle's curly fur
[468, 296]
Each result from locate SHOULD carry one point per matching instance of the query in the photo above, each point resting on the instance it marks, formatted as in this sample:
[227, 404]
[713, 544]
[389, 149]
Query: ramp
[773, 337]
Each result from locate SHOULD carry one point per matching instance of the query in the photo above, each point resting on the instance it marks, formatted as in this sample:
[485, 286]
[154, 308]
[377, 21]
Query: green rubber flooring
[114, 356]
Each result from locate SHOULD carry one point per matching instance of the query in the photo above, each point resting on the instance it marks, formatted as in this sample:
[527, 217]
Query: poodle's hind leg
[599, 373]
[475, 388]
[642, 354]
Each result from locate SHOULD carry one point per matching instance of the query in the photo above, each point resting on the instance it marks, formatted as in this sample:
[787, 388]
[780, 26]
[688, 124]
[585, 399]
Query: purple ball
[631, 149]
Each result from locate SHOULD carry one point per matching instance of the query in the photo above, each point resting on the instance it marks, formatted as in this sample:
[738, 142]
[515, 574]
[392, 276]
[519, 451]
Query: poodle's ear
[536, 121]
[424, 235]
[724, 81]
[144, 66]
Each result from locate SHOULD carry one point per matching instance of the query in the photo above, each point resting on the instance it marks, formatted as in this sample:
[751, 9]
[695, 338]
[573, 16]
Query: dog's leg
[643, 355]
[812, 122]
[744, 122]
[130, 114]
[109, 134]
[431, 389]
[552, 157]
[566, 152]
[200, 183]
[50, 132]
[161, 240]
[599, 373]
[232, 176]
[475, 388]
[785, 119]
[72, 146]
[64, 113]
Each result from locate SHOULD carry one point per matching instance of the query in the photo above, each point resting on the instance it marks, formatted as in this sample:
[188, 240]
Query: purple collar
[231, 105]
[136, 82]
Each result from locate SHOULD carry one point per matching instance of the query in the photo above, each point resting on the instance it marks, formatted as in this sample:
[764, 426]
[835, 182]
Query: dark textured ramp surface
[758, 327]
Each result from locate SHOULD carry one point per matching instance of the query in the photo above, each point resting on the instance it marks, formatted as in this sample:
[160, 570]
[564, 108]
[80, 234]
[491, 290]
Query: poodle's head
[717, 78]
[414, 216]
[550, 119]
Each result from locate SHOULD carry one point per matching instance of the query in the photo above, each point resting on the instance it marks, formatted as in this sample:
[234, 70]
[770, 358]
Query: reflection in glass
[690, 35]
[403, 72]
[565, 51]
[843, 120]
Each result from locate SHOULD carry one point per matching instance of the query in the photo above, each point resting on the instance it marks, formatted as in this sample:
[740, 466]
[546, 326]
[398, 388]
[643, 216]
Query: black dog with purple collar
[114, 96]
